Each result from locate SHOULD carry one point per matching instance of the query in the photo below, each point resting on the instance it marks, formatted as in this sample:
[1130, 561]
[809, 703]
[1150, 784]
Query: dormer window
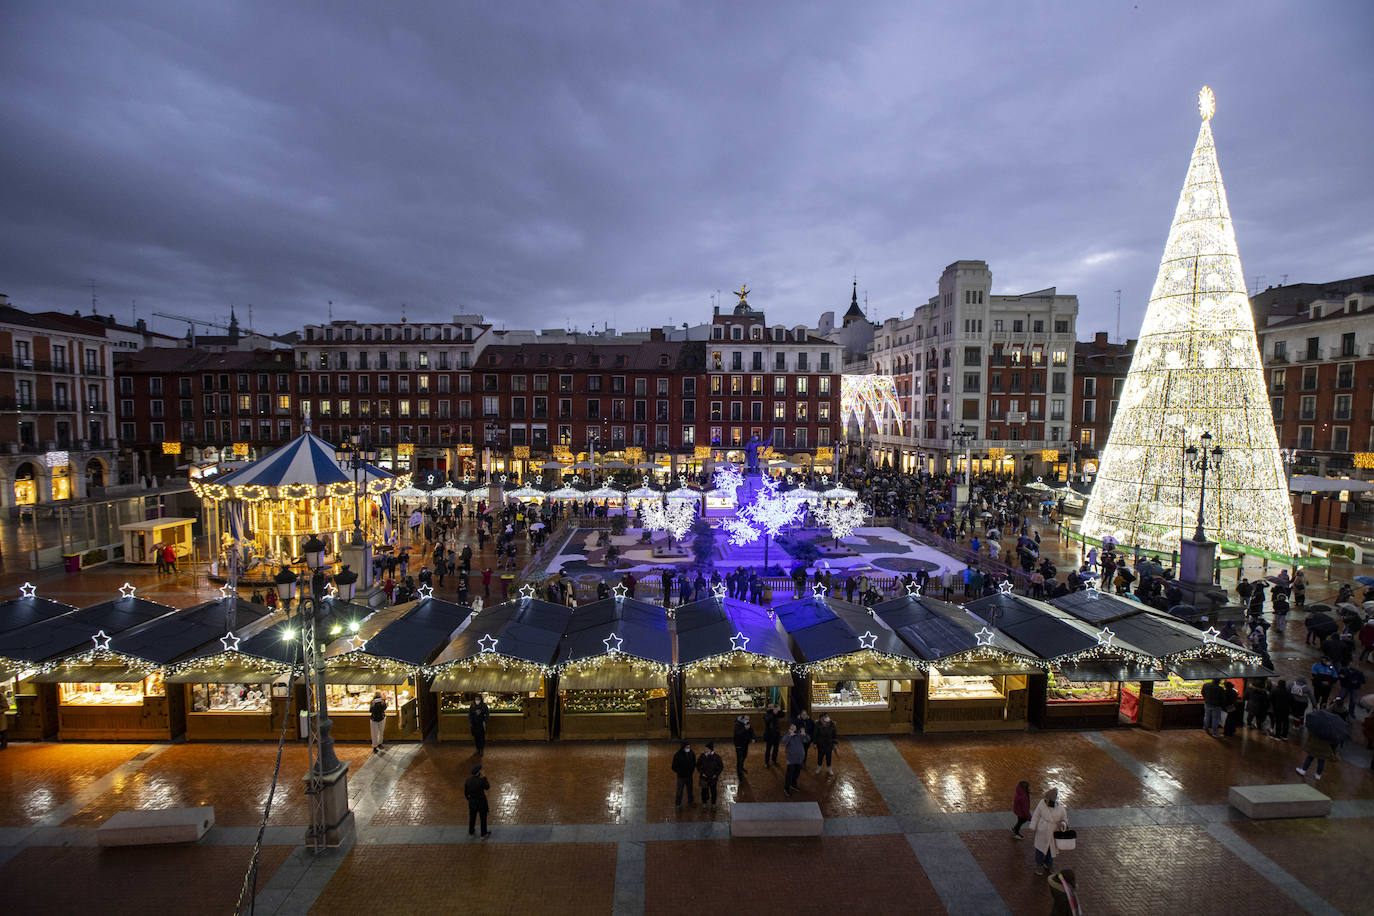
[736, 332]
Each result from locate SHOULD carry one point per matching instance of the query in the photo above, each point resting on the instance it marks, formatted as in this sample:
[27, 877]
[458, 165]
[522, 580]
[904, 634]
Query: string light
[675, 516]
[101, 654]
[871, 394]
[736, 659]
[28, 590]
[273, 668]
[863, 658]
[634, 663]
[1196, 369]
[727, 479]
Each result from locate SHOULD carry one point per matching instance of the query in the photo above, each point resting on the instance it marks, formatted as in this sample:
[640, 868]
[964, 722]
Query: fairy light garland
[861, 659]
[98, 656]
[490, 661]
[736, 659]
[225, 659]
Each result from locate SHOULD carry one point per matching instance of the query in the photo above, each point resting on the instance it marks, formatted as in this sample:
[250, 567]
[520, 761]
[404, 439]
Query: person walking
[169, 554]
[475, 791]
[1235, 709]
[710, 766]
[161, 563]
[1020, 806]
[1064, 894]
[684, 765]
[772, 734]
[1213, 703]
[794, 753]
[1256, 705]
[1280, 710]
[1048, 817]
[744, 736]
[377, 720]
[1323, 679]
[807, 725]
[825, 737]
[478, 713]
[1322, 738]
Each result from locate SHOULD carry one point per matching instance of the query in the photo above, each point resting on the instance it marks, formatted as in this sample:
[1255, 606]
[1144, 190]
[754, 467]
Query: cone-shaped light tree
[1196, 370]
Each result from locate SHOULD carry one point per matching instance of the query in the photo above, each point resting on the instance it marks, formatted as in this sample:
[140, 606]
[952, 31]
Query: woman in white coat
[1048, 817]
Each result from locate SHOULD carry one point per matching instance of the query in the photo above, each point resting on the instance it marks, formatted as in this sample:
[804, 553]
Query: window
[689, 387]
[689, 436]
[1089, 387]
[801, 437]
[970, 409]
[1089, 411]
[1340, 438]
[1342, 409]
[1058, 383]
[491, 406]
[1060, 357]
[1313, 348]
[1304, 437]
[737, 384]
[1057, 409]
[1061, 326]
[973, 356]
[1347, 348]
[823, 386]
[1307, 408]
[780, 362]
[972, 381]
[779, 386]
[1345, 375]
[126, 384]
[1038, 326]
[823, 411]
[1276, 405]
[689, 410]
[801, 386]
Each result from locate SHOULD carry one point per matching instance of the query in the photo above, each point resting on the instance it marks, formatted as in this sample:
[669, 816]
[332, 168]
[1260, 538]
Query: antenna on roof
[134, 304]
[331, 311]
[94, 286]
[1118, 316]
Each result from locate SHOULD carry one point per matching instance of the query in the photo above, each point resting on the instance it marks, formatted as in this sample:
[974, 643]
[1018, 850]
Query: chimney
[1100, 339]
[717, 311]
[656, 334]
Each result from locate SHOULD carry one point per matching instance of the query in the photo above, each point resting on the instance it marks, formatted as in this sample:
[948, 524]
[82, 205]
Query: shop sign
[634, 453]
[171, 448]
[1090, 467]
[405, 449]
[1049, 454]
[824, 453]
[520, 451]
[56, 459]
[463, 451]
[241, 448]
[701, 451]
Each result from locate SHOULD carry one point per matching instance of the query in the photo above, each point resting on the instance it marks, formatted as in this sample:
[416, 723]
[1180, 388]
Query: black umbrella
[1319, 609]
[1317, 617]
[1327, 726]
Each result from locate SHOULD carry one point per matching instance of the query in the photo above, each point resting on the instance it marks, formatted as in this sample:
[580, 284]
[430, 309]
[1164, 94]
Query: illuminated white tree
[675, 516]
[1196, 369]
[728, 479]
[842, 518]
[768, 514]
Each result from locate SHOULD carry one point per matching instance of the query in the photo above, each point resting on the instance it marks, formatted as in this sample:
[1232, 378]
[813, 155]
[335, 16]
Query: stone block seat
[1283, 800]
[776, 819]
[162, 825]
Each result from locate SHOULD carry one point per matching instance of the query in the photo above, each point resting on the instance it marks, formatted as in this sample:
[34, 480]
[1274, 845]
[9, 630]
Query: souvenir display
[848, 693]
[716, 699]
[496, 702]
[1176, 688]
[230, 698]
[598, 701]
[1062, 690]
[358, 697]
[982, 687]
[127, 694]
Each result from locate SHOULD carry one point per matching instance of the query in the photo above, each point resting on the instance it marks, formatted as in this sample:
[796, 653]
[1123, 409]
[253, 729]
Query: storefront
[387, 653]
[732, 661]
[78, 686]
[506, 655]
[853, 667]
[30, 715]
[1176, 701]
[977, 679]
[613, 672]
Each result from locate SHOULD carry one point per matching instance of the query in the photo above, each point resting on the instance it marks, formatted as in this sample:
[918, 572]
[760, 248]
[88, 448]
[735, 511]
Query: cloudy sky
[571, 164]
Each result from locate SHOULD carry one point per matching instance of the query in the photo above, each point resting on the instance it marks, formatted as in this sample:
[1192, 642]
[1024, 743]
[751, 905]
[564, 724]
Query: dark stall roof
[266, 640]
[527, 629]
[174, 636]
[1153, 633]
[20, 612]
[938, 629]
[419, 634]
[633, 627]
[1111, 672]
[74, 631]
[826, 628]
[709, 627]
[1204, 669]
[1049, 633]
[1096, 607]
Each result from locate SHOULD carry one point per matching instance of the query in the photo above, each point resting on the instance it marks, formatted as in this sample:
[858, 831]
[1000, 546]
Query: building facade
[977, 374]
[1099, 374]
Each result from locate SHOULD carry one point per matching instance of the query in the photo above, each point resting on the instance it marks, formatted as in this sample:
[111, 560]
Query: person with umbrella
[1326, 732]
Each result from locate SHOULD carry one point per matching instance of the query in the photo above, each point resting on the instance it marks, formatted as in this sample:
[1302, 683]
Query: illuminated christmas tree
[1196, 370]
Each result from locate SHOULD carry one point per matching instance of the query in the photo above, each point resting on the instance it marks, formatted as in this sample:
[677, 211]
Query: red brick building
[1099, 374]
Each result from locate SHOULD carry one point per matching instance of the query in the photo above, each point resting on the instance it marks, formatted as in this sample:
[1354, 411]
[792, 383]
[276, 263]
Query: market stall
[977, 679]
[143, 540]
[505, 654]
[732, 661]
[1087, 664]
[1177, 701]
[79, 687]
[613, 671]
[30, 715]
[853, 666]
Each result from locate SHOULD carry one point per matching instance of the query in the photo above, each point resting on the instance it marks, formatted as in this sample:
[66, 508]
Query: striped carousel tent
[304, 467]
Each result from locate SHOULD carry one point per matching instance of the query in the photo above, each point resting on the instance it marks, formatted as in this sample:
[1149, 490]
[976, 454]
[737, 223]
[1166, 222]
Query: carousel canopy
[303, 468]
[939, 630]
[74, 632]
[20, 612]
[828, 628]
[639, 629]
[718, 626]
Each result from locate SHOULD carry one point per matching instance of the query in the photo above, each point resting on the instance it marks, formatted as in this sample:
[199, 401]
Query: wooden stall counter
[974, 703]
[631, 714]
[34, 716]
[123, 711]
[510, 719]
[264, 724]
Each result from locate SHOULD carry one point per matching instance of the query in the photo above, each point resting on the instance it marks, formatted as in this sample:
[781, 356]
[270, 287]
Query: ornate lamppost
[355, 455]
[1204, 458]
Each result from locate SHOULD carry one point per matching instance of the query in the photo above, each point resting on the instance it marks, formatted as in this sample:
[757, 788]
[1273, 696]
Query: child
[1020, 806]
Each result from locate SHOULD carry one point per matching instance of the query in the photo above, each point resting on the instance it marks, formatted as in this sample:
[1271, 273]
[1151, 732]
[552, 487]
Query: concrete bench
[776, 819]
[1283, 800]
[148, 828]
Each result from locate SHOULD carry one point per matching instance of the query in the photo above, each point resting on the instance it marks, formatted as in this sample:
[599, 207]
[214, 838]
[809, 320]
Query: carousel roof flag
[1196, 370]
[304, 468]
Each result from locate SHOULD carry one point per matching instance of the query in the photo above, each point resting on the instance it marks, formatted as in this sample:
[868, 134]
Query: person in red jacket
[1020, 806]
[169, 556]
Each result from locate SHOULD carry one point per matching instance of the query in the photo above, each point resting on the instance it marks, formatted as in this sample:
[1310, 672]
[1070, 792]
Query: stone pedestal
[748, 492]
[338, 818]
[1197, 561]
[359, 559]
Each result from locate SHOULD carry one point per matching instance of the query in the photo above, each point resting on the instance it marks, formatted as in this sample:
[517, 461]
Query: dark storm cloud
[580, 163]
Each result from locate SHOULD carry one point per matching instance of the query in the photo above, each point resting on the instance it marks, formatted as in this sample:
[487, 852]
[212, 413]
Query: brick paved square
[480, 877]
[130, 881]
[1133, 871]
[1335, 857]
[36, 777]
[788, 876]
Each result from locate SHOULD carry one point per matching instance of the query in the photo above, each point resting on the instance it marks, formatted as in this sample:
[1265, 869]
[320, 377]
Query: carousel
[305, 487]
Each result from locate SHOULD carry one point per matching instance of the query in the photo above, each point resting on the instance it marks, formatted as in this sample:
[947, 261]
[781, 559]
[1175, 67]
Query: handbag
[1065, 839]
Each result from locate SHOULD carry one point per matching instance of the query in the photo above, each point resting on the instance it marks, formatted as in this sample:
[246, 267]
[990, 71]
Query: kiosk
[142, 540]
[30, 714]
[613, 671]
[733, 661]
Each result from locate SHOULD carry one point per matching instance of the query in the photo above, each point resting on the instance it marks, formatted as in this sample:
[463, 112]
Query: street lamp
[593, 437]
[493, 431]
[963, 438]
[1203, 459]
[326, 785]
[356, 455]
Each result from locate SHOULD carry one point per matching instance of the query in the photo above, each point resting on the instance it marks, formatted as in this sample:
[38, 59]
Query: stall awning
[843, 670]
[246, 673]
[1204, 669]
[737, 677]
[93, 674]
[612, 676]
[1111, 672]
[361, 674]
[983, 668]
[7, 671]
[490, 680]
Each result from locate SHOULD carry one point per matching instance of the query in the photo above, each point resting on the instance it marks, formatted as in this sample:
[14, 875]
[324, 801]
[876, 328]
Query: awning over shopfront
[856, 645]
[487, 680]
[725, 642]
[1204, 669]
[944, 633]
[1111, 672]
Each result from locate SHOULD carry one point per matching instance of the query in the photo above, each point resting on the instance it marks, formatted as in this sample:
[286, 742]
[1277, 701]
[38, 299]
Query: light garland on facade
[869, 394]
[1196, 369]
[96, 656]
[225, 659]
[490, 661]
[635, 663]
[863, 658]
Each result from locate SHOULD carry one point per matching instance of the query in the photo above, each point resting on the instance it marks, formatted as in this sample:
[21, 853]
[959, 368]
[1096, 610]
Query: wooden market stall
[853, 666]
[67, 665]
[387, 653]
[29, 713]
[977, 679]
[237, 687]
[505, 654]
[613, 671]
[142, 540]
[733, 660]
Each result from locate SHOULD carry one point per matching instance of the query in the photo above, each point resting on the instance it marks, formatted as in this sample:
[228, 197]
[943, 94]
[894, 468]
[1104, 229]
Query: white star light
[526, 592]
[818, 590]
[913, 590]
[425, 592]
[1005, 587]
[101, 641]
[620, 591]
[718, 590]
[612, 649]
[28, 590]
[226, 592]
[869, 640]
[1209, 635]
[1104, 639]
[126, 590]
[357, 642]
[230, 642]
[985, 636]
[1091, 590]
[487, 647]
[739, 642]
[331, 591]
